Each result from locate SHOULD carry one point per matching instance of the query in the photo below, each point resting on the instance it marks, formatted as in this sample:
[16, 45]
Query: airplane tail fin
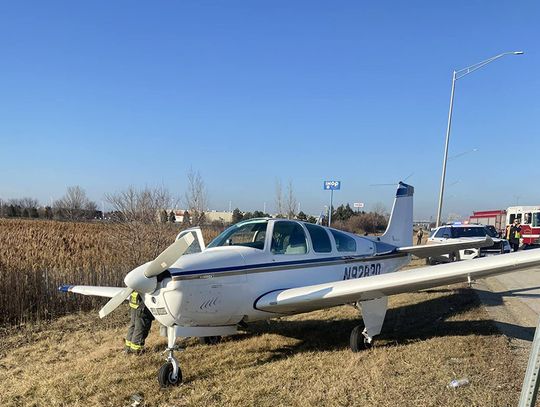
[400, 226]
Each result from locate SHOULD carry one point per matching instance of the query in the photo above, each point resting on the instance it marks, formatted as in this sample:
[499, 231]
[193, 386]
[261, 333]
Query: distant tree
[202, 219]
[380, 209]
[301, 216]
[348, 212]
[196, 195]
[12, 211]
[247, 215]
[28, 202]
[311, 219]
[48, 212]
[279, 198]
[172, 217]
[338, 215]
[236, 216]
[25, 213]
[259, 214]
[135, 214]
[163, 216]
[75, 205]
[33, 212]
[291, 201]
[186, 222]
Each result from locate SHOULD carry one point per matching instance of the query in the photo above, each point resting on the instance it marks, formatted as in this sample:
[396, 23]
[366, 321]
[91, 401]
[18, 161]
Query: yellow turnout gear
[134, 300]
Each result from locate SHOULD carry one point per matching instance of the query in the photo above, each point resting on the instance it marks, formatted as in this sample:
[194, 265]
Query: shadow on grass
[402, 325]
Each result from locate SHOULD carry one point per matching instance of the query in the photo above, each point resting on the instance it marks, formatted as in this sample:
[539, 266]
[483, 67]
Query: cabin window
[249, 234]
[319, 238]
[344, 243]
[527, 218]
[536, 220]
[288, 238]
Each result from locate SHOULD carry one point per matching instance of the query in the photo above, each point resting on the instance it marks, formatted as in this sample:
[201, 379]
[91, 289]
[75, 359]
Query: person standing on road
[419, 236]
[140, 323]
[514, 234]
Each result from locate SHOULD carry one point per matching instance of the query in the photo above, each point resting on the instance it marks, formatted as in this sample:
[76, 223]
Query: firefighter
[419, 236]
[140, 322]
[514, 234]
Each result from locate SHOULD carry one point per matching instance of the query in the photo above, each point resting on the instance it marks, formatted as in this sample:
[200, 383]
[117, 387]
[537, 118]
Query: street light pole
[445, 159]
[455, 76]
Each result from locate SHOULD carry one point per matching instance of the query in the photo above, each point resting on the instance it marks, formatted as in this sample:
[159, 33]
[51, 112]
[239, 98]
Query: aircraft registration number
[363, 270]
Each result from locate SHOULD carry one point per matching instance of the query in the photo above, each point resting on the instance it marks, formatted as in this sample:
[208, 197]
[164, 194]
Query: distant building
[220, 216]
[210, 216]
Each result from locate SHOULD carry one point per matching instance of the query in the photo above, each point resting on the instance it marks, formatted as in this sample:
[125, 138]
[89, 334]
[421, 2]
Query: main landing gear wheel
[166, 377]
[359, 341]
[210, 340]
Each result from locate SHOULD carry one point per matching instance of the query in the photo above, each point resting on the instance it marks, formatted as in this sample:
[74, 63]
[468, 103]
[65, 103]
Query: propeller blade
[169, 256]
[115, 301]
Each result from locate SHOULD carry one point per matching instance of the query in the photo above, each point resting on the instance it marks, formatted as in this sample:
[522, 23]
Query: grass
[37, 256]
[429, 339]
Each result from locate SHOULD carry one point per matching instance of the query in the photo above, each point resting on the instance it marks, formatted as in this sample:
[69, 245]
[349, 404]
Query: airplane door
[198, 245]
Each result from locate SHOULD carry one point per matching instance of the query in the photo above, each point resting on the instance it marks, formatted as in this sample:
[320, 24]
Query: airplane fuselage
[201, 291]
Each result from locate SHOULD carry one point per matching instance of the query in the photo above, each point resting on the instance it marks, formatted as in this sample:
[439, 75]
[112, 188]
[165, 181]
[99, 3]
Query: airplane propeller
[143, 278]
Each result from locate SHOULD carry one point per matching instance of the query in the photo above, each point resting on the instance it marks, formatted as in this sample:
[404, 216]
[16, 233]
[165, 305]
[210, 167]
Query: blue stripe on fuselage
[271, 265]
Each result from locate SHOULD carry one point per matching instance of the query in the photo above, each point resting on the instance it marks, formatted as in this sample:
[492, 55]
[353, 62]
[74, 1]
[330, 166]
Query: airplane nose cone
[137, 281]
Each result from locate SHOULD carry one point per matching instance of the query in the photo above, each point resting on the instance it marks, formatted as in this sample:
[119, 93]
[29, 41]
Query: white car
[457, 231]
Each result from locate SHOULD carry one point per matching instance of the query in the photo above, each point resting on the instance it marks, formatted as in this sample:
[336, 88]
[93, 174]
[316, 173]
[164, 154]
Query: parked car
[458, 231]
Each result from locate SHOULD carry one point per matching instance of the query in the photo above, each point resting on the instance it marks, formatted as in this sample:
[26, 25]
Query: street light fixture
[455, 76]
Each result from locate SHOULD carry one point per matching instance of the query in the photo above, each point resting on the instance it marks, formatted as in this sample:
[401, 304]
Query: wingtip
[65, 288]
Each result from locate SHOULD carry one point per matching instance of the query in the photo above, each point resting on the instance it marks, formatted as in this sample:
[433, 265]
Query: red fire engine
[496, 218]
[529, 216]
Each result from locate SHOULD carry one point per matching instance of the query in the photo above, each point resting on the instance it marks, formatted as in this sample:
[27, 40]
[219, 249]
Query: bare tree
[28, 202]
[137, 215]
[75, 205]
[196, 196]
[279, 198]
[291, 201]
[380, 209]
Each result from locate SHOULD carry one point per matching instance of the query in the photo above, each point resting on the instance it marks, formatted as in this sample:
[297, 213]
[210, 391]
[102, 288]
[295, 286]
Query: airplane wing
[91, 290]
[438, 249]
[309, 298]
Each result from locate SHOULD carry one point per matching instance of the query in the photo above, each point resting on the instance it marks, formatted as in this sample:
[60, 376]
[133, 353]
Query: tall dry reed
[38, 256]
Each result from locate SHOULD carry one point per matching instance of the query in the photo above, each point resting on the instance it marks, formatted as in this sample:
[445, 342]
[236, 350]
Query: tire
[210, 340]
[358, 342]
[165, 373]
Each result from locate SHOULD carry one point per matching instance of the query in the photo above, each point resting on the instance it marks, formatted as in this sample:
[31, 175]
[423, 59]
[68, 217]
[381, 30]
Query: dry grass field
[38, 256]
[429, 338]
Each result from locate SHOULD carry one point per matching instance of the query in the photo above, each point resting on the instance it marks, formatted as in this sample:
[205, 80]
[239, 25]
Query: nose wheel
[166, 376]
[170, 373]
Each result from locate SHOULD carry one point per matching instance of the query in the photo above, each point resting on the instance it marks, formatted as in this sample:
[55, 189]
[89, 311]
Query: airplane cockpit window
[249, 234]
[319, 238]
[288, 238]
[344, 243]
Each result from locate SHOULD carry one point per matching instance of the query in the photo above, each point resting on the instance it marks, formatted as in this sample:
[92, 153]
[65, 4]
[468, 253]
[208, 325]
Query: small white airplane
[265, 268]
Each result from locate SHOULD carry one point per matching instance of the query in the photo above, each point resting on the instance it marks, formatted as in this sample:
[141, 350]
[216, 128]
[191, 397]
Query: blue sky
[107, 94]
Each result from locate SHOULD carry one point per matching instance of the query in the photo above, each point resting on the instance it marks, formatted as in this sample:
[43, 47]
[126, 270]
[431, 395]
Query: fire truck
[529, 216]
[497, 218]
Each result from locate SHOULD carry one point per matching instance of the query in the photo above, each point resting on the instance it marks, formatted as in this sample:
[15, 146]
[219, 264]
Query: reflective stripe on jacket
[134, 300]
